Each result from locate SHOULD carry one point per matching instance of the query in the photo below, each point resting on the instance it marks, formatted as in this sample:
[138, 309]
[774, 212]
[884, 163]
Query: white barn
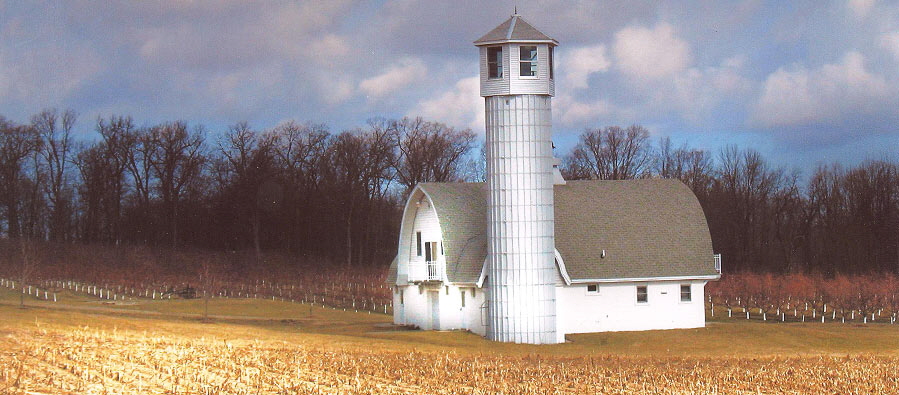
[630, 255]
[527, 257]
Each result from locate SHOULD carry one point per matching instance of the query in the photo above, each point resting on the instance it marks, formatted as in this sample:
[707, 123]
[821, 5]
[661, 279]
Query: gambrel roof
[649, 229]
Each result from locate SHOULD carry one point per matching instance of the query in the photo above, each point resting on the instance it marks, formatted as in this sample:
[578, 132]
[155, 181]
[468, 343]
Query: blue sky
[803, 82]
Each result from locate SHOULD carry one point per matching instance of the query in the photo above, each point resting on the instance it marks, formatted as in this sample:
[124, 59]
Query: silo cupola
[516, 58]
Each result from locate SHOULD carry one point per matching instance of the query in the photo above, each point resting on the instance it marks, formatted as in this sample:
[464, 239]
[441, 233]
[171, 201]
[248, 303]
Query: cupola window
[495, 62]
[551, 62]
[528, 60]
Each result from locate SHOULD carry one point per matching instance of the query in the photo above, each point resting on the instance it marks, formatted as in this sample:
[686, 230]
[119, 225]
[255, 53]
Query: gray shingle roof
[514, 29]
[462, 212]
[648, 229]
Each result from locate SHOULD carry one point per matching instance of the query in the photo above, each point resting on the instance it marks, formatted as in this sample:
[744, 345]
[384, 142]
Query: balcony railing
[425, 271]
[718, 263]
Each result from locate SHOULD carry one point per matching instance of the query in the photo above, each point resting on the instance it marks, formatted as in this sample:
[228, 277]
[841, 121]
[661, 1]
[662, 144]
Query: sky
[803, 82]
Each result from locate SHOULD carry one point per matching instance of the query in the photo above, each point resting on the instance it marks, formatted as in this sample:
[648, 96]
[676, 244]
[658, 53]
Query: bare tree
[177, 161]
[693, 167]
[347, 158]
[140, 168]
[298, 150]
[209, 281]
[17, 143]
[248, 169]
[430, 151]
[28, 249]
[612, 153]
[118, 141]
[55, 131]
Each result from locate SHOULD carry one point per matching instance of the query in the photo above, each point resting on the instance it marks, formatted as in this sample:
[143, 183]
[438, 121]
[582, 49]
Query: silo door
[434, 299]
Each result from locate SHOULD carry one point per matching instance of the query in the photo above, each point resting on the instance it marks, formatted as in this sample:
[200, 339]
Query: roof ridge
[512, 27]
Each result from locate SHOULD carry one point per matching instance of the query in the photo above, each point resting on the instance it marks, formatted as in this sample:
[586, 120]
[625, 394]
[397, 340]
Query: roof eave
[505, 41]
[711, 277]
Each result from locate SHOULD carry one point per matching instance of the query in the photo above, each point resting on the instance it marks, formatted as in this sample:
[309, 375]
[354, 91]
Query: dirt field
[265, 347]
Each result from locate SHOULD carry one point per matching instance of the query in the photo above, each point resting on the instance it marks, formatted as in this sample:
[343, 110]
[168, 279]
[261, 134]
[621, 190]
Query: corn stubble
[90, 361]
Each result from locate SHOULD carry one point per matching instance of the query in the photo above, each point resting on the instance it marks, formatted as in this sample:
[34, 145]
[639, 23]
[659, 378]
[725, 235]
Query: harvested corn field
[73, 352]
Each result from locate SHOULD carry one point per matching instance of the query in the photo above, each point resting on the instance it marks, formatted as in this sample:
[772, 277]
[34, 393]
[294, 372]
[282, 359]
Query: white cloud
[650, 53]
[397, 77]
[861, 7]
[336, 90]
[800, 96]
[695, 92]
[461, 106]
[574, 113]
[580, 63]
[890, 42]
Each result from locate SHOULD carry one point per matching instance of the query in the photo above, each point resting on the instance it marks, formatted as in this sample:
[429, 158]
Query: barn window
[402, 297]
[418, 243]
[463, 297]
[495, 62]
[593, 288]
[472, 292]
[642, 294]
[685, 293]
[528, 60]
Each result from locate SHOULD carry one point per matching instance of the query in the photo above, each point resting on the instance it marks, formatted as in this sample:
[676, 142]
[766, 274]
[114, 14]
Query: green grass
[248, 319]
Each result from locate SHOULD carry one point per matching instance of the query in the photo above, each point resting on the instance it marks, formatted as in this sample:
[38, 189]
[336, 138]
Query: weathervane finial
[515, 10]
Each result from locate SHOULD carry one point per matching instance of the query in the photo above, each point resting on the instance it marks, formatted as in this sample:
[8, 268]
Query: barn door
[434, 299]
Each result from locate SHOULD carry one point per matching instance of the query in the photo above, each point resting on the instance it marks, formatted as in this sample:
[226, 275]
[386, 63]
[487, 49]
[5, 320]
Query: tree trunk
[349, 233]
[256, 244]
[174, 224]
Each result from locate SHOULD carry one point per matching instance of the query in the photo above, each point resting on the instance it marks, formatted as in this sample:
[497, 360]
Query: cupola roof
[515, 29]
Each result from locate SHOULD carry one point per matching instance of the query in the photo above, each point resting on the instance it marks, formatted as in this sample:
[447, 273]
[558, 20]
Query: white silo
[517, 82]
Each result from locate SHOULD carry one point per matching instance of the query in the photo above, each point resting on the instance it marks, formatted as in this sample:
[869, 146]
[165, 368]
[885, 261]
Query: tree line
[296, 188]
[303, 190]
[762, 218]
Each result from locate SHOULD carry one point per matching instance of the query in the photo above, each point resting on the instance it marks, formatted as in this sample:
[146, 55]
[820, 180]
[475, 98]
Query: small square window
[685, 293]
[592, 288]
[528, 60]
[642, 294]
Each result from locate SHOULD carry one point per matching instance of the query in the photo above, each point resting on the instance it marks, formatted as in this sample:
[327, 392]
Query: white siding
[418, 216]
[512, 83]
[496, 86]
[615, 307]
[425, 221]
[529, 85]
[416, 309]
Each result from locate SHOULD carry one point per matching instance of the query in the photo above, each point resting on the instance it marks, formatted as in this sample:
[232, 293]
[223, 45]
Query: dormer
[516, 59]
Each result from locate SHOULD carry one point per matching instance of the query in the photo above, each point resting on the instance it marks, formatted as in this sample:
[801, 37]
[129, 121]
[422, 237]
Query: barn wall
[615, 308]
[405, 250]
[416, 308]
